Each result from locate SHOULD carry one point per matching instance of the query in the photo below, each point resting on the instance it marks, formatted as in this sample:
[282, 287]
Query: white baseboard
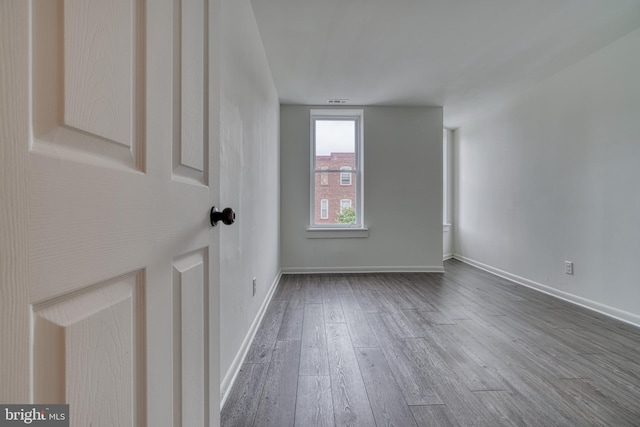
[234, 369]
[372, 269]
[447, 256]
[624, 316]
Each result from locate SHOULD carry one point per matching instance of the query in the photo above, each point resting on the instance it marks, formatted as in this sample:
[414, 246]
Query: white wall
[448, 177]
[555, 176]
[249, 159]
[402, 194]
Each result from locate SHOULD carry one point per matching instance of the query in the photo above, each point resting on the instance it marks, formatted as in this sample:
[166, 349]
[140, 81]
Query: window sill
[337, 233]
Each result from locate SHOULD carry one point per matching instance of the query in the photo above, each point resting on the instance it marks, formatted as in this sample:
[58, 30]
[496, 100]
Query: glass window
[324, 208]
[336, 168]
[345, 178]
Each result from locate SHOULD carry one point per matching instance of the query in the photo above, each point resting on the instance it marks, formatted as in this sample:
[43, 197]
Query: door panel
[121, 285]
[100, 68]
[190, 334]
[97, 337]
[191, 48]
[89, 81]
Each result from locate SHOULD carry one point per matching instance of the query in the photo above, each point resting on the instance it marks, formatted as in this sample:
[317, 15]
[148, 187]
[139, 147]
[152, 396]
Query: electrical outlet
[254, 286]
[568, 267]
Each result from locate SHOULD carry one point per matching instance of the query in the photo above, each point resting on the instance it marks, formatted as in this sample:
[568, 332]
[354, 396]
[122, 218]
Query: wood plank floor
[461, 349]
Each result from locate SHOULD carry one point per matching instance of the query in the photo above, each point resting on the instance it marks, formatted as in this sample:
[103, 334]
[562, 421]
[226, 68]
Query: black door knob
[227, 216]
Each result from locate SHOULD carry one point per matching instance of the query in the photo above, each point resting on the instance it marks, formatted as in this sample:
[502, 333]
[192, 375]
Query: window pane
[345, 178]
[335, 136]
[324, 209]
[338, 200]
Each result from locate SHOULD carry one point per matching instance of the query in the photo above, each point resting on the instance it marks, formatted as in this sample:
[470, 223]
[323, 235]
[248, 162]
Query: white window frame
[338, 114]
[324, 210]
[342, 204]
[345, 175]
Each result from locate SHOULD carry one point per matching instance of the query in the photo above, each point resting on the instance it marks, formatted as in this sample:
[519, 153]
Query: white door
[109, 264]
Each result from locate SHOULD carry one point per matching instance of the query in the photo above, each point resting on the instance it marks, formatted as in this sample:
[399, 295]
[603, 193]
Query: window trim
[337, 233]
[338, 114]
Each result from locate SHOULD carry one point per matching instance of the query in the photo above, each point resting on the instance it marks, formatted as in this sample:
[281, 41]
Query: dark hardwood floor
[461, 349]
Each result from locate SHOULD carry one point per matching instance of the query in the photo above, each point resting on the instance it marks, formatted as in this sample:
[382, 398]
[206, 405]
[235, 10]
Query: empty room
[333, 213]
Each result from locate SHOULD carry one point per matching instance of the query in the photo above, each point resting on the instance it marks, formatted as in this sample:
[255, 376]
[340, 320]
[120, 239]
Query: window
[345, 178]
[324, 178]
[324, 209]
[336, 168]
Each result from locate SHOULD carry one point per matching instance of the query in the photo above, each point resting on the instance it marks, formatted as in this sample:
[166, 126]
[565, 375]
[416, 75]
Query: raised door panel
[190, 338]
[99, 67]
[89, 350]
[190, 88]
[88, 81]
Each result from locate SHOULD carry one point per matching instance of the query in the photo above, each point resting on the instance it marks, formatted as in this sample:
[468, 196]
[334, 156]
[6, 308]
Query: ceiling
[465, 55]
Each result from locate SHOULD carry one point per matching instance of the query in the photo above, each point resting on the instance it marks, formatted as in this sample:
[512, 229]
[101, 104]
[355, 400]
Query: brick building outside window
[335, 187]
